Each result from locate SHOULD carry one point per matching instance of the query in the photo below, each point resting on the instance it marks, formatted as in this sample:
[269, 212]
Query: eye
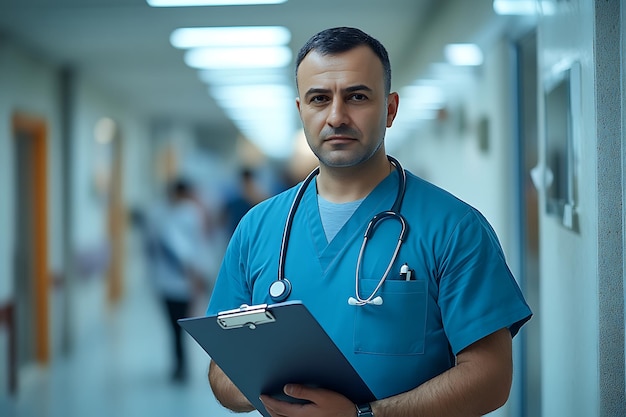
[319, 99]
[358, 97]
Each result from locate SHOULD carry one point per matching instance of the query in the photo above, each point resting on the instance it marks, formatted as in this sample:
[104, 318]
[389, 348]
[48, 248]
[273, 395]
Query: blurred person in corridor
[247, 195]
[175, 237]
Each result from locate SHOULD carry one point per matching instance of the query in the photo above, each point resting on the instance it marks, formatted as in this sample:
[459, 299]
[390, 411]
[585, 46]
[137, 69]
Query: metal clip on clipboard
[250, 316]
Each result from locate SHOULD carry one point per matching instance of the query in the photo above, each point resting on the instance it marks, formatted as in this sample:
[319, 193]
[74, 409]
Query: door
[30, 275]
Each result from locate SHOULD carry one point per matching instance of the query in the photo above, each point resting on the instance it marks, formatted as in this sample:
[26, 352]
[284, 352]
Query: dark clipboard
[261, 348]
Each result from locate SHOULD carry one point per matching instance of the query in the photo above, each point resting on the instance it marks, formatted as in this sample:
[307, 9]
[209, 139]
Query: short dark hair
[343, 39]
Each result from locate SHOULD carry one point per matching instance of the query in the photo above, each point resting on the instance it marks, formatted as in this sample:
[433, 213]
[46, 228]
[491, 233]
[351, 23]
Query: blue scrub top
[462, 289]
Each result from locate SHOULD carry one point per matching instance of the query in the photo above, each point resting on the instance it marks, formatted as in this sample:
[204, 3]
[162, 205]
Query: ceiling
[123, 46]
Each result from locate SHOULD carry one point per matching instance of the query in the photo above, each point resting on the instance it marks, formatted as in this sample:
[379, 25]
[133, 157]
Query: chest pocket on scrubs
[398, 326]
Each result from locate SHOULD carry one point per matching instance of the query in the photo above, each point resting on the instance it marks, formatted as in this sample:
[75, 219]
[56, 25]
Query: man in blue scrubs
[435, 342]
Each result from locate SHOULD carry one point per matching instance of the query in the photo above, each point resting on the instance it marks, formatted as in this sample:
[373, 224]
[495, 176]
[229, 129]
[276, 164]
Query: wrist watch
[364, 410]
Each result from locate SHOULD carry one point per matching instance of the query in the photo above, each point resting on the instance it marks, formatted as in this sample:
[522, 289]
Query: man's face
[343, 105]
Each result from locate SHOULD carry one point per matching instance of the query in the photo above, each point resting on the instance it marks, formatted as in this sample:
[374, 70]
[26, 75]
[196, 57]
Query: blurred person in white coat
[175, 238]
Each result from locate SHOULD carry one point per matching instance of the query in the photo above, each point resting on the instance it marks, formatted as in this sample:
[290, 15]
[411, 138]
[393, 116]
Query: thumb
[299, 391]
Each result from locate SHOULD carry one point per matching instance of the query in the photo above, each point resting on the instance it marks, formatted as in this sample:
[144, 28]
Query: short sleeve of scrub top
[478, 295]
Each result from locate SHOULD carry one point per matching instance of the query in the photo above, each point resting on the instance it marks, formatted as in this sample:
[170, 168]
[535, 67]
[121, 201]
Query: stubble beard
[344, 156]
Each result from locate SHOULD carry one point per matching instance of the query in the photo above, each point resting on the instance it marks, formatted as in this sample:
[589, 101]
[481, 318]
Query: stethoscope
[281, 288]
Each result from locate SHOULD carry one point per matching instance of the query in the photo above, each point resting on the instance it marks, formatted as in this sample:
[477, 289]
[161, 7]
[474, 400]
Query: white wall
[27, 85]
[92, 105]
[6, 178]
[448, 152]
[609, 80]
[89, 201]
[30, 84]
[568, 261]
[582, 373]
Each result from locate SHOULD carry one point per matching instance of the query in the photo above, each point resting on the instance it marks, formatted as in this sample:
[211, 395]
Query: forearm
[478, 385]
[453, 393]
[226, 392]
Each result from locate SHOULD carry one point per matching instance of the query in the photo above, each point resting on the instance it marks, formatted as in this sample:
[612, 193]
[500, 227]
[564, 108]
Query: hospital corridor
[135, 135]
[120, 367]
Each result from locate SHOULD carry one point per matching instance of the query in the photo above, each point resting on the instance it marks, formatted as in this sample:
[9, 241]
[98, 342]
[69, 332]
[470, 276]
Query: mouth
[339, 139]
[340, 135]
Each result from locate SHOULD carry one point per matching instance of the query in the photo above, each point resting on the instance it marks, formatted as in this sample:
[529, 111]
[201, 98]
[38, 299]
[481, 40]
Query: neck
[341, 185]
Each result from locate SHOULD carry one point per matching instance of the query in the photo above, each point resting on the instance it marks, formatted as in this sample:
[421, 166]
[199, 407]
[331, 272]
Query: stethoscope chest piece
[280, 290]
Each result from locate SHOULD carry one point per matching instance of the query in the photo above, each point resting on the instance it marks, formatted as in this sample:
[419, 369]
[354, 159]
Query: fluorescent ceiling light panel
[185, 38]
[265, 114]
[523, 7]
[221, 58]
[463, 54]
[423, 96]
[186, 3]
[273, 134]
[245, 76]
[254, 93]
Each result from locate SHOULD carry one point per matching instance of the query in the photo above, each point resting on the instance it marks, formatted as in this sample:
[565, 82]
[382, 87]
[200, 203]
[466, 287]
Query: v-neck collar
[381, 198]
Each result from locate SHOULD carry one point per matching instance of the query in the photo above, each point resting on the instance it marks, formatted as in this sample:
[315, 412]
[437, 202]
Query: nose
[338, 114]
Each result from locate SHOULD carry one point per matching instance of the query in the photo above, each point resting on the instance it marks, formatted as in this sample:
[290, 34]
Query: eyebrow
[351, 89]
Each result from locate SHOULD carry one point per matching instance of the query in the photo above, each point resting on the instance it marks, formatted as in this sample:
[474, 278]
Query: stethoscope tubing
[280, 289]
[287, 230]
[368, 233]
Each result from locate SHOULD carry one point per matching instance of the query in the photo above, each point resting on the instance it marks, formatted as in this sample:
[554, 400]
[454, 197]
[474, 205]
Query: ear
[298, 104]
[392, 107]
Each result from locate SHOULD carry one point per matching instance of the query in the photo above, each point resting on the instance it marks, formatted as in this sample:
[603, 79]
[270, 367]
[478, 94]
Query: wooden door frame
[37, 129]
[116, 220]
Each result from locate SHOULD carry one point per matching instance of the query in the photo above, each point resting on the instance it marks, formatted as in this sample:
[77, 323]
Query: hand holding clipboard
[262, 348]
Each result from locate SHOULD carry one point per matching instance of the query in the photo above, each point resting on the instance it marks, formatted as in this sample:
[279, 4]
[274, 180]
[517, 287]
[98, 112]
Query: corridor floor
[120, 368]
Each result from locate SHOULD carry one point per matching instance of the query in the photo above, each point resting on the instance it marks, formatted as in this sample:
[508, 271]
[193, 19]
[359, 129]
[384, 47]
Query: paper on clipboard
[261, 348]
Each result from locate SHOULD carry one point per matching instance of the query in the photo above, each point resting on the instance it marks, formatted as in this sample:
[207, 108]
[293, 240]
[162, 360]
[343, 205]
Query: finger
[268, 406]
[276, 408]
[302, 392]
[320, 399]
